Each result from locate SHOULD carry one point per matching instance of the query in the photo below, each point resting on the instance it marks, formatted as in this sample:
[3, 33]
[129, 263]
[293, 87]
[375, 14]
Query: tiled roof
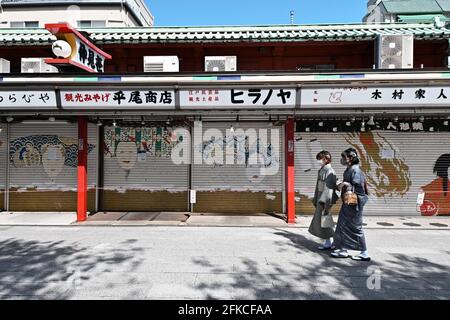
[412, 6]
[444, 4]
[415, 18]
[282, 33]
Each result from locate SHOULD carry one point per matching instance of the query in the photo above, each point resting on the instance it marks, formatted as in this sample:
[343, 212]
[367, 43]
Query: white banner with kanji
[253, 98]
[361, 96]
[117, 99]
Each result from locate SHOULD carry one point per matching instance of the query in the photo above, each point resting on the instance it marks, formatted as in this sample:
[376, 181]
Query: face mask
[320, 162]
[343, 161]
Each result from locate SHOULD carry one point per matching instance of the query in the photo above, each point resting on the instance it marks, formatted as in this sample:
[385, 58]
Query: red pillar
[290, 170]
[82, 169]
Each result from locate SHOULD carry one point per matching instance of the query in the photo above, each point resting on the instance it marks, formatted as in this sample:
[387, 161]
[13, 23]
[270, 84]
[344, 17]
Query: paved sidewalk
[216, 263]
[37, 218]
[211, 220]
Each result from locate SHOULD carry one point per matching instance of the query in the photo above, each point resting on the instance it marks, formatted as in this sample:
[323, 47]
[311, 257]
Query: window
[91, 23]
[24, 24]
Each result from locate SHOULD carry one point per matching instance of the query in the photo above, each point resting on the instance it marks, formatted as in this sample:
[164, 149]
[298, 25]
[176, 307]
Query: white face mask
[320, 162]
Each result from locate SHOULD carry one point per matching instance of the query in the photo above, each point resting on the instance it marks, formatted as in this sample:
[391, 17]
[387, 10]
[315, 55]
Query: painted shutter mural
[3, 157]
[139, 173]
[398, 167]
[43, 167]
[243, 187]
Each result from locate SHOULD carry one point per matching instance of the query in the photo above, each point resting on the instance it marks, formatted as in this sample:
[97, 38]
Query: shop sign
[27, 100]
[253, 98]
[73, 48]
[375, 96]
[118, 99]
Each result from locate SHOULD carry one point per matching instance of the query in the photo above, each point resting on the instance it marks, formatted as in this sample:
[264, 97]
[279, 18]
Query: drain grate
[385, 224]
[410, 224]
[443, 225]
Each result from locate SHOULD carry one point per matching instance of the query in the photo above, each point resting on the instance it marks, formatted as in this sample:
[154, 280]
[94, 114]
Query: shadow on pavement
[318, 276]
[55, 270]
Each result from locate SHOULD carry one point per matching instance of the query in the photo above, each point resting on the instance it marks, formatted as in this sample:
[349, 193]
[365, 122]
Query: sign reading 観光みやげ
[27, 99]
[375, 96]
[117, 99]
[237, 98]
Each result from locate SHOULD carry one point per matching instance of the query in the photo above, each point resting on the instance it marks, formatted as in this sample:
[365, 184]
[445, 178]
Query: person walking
[349, 233]
[325, 197]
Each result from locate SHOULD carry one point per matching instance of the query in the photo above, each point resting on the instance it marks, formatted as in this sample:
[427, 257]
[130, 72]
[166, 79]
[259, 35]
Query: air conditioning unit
[4, 66]
[395, 51]
[161, 64]
[220, 63]
[36, 65]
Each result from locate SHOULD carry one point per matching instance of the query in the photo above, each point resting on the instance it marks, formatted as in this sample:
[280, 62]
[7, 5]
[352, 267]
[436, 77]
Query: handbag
[350, 198]
[326, 221]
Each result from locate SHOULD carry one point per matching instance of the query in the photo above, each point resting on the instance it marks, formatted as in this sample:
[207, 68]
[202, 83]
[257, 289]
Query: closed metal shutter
[139, 174]
[3, 168]
[398, 167]
[43, 167]
[244, 187]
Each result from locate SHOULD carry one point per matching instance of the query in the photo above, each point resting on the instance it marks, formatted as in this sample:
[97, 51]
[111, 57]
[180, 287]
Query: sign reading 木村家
[375, 96]
[237, 98]
[27, 100]
[118, 99]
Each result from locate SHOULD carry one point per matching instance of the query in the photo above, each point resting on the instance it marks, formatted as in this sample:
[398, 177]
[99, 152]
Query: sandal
[339, 254]
[359, 258]
[332, 248]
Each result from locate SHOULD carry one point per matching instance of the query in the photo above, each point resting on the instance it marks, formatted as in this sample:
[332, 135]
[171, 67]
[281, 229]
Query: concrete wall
[113, 15]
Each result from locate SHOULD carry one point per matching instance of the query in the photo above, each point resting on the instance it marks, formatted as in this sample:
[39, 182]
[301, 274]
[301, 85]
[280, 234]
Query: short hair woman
[324, 198]
[349, 233]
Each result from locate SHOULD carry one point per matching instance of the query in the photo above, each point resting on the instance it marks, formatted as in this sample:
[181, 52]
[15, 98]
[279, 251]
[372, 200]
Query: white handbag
[326, 221]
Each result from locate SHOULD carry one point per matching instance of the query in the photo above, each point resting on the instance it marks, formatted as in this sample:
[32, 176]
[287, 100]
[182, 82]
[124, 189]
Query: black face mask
[343, 161]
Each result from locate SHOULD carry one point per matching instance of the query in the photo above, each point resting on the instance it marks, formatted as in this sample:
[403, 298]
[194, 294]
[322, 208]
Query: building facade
[390, 11]
[235, 141]
[80, 14]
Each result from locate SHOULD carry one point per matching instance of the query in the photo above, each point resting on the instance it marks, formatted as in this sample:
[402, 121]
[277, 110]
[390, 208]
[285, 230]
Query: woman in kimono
[324, 198]
[349, 233]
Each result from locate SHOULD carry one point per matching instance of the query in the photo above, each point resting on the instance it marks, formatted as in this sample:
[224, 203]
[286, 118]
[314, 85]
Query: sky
[254, 12]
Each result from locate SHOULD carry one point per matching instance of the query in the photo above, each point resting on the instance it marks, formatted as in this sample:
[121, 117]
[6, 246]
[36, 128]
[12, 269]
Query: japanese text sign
[118, 99]
[254, 98]
[85, 55]
[375, 96]
[27, 100]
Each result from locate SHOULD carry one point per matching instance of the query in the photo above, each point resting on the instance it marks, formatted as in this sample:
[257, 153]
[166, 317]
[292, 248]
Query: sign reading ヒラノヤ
[27, 100]
[117, 99]
[235, 98]
[375, 96]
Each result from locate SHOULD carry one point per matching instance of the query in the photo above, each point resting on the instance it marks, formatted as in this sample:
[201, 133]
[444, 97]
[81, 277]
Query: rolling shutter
[139, 174]
[43, 167]
[3, 158]
[239, 187]
[398, 167]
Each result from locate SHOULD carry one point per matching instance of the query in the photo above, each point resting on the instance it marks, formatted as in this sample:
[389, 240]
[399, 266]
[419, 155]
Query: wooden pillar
[290, 170]
[82, 169]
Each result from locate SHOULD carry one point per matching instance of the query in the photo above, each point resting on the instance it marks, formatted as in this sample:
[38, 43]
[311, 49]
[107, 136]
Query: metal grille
[239, 177]
[43, 166]
[139, 173]
[398, 167]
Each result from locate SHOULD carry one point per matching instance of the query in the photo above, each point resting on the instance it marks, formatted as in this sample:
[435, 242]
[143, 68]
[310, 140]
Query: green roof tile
[412, 6]
[444, 4]
[225, 34]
